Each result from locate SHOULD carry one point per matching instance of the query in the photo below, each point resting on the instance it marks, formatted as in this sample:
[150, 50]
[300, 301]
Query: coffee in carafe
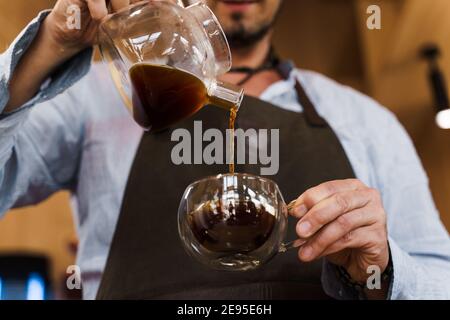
[164, 95]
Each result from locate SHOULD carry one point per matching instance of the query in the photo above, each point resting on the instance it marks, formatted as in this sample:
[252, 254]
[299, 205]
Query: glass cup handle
[295, 244]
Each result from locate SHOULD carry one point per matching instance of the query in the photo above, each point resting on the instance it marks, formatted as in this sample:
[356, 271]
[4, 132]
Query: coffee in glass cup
[233, 222]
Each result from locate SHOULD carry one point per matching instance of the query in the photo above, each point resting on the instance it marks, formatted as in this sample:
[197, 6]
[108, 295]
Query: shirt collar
[280, 87]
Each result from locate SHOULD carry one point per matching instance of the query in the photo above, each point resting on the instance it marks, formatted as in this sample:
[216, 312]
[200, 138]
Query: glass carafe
[174, 55]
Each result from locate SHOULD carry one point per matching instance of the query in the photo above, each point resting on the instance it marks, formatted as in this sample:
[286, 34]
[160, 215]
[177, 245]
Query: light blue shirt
[77, 135]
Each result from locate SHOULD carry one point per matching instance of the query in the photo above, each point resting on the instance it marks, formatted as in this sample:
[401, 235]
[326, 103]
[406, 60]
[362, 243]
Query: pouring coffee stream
[163, 95]
[166, 73]
[242, 227]
[233, 230]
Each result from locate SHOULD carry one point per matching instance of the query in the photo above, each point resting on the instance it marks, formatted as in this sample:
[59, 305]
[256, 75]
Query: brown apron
[146, 259]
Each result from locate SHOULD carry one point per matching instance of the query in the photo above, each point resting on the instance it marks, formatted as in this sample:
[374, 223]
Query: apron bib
[146, 258]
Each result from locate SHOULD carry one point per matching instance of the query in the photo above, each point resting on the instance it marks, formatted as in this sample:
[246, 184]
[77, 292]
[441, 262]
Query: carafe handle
[215, 35]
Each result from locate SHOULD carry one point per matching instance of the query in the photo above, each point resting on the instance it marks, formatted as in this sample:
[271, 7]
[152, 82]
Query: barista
[363, 202]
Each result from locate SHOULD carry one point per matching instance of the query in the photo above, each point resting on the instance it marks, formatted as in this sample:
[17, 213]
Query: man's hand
[56, 43]
[92, 12]
[345, 222]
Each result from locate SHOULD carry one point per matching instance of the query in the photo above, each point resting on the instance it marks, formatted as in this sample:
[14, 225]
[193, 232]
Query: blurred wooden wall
[329, 36]
[397, 76]
[45, 229]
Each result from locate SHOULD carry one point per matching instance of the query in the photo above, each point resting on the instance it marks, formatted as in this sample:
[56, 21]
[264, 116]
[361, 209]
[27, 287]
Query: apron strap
[312, 116]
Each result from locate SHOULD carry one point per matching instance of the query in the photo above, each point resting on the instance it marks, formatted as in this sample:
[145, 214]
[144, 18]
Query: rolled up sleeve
[23, 164]
[419, 242]
[64, 77]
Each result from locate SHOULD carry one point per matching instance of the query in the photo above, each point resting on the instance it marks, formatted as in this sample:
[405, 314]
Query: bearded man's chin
[242, 39]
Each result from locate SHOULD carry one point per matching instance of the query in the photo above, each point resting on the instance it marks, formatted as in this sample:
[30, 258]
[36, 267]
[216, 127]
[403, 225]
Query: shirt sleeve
[38, 142]
[419, 242]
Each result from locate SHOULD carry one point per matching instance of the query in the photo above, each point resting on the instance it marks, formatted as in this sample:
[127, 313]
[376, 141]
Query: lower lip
[238, 6]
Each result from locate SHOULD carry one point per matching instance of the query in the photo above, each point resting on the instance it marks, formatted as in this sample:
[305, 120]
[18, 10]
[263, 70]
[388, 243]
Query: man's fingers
[331, 209]
[354, 239]
[116, 5]
[97, 9]
[297, 210]
[342, 229]
[312, 196]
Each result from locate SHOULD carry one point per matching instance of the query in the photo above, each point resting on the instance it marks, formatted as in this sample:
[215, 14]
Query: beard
[240, 37]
